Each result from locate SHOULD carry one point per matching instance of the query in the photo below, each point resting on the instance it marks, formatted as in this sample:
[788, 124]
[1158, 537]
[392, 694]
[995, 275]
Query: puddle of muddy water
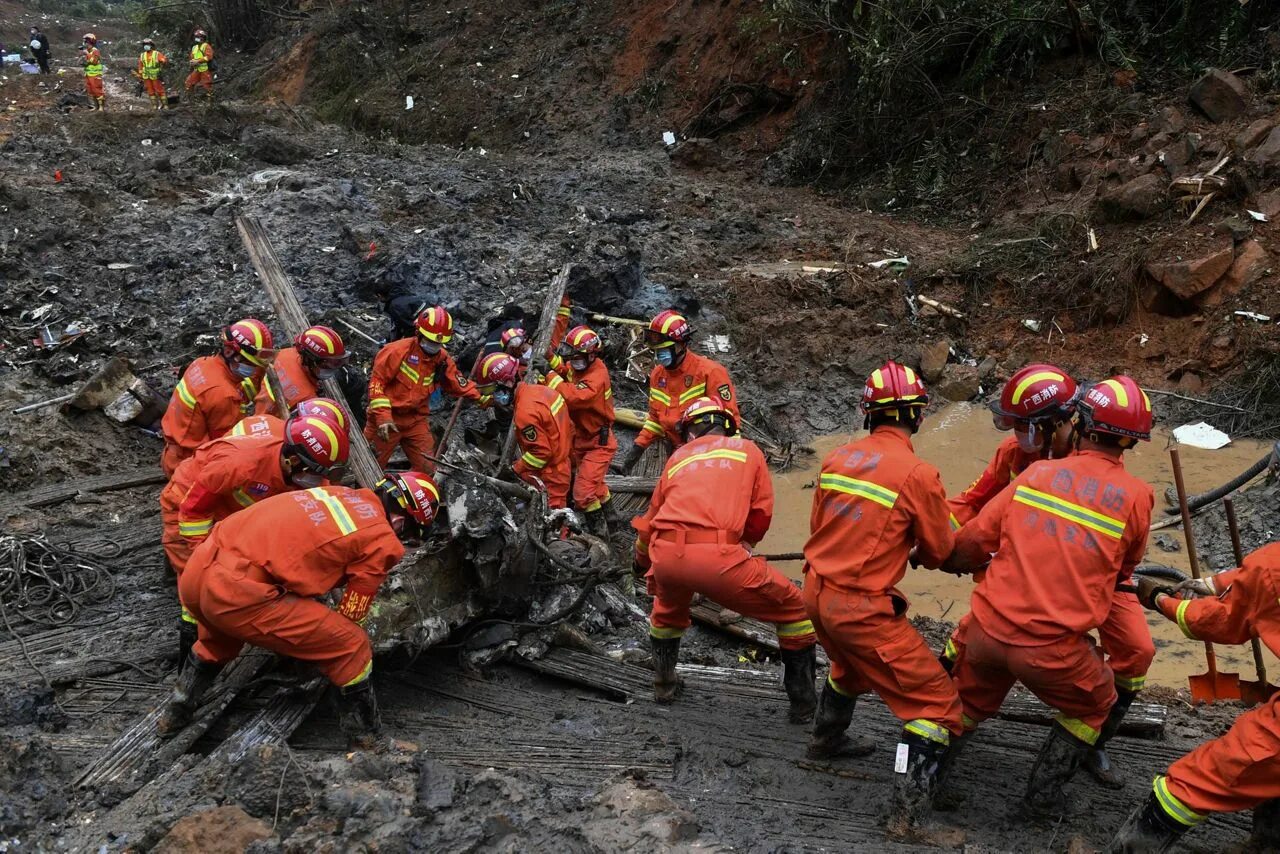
[959, 440]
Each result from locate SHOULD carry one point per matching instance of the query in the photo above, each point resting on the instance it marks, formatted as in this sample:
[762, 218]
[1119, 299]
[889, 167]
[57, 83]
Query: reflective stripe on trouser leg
[664, 633]
[835, 686]
[1078, 728]
[1174, 808]
[928, 729]
[1131, 683]
[361, 676]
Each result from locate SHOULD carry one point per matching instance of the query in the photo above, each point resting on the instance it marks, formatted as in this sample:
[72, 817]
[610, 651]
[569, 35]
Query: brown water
[959, 440]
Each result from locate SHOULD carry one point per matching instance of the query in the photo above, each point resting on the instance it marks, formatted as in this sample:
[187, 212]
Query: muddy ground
[136, 244]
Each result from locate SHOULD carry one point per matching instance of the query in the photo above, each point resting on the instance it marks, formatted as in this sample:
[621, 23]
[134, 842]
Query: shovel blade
[1257, 693]
[1210, 687]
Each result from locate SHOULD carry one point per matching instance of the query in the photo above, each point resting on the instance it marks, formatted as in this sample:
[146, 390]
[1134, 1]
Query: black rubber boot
[799, 668]
[829, 740]
[1096, 761]
[187, 637]
[1057, 763]
[1266, 828]
[1147, 830]
[597, 524]
[947, 797]
[914, 785]
[358, 714]
[666, 683]
[193, 682]
[611, 515]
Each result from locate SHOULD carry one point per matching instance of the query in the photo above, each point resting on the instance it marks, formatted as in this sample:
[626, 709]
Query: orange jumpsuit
[206, 404]
[1125, 635]
[201, 56]
[93, 73]
[1063, 533]
[1241, 769]
[224, 476]
[400, 392]
[590, 399]
[671, 390]
[875, 500]
[714, 495]
[256, 579]
[259, 425]
[296, 382]
[149, 67]
[545, 436]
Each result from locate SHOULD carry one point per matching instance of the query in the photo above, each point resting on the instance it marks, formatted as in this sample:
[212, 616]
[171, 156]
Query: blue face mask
[666, 357]
[502, 396]
[243, 369]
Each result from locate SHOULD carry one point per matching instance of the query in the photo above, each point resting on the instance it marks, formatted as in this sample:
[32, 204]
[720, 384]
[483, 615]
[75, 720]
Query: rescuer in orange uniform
[201, 56]
[257, 578]
[876, 504]
[544, 432]
[1063, 534]
[1037, 404]
[216, 391]
[151, 63]
[679, 378]
[1240, 770]
[405, 373]
[234, 472]
[587, 389]
[266, 424]
[91, 58]
[317, 354]
[713, 502]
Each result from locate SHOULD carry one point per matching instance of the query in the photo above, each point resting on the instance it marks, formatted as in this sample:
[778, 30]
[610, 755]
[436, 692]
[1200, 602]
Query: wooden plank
[53, 494]
[631, 484]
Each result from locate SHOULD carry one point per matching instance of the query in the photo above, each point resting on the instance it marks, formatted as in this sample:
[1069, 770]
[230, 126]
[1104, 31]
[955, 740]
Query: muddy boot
[1266, 828]
[187, 636]
[1096, 761]
[193, 682]
[829, 740]
[1147, 830]
[946, 796]
[915, 778]
[1057, 763]
[611, 515]
[597, 525]
[666, 684]
[358, 715]
[799, 667]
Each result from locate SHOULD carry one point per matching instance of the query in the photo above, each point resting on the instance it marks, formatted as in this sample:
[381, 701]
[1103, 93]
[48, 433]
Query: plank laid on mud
[45, 495]
[66, 653]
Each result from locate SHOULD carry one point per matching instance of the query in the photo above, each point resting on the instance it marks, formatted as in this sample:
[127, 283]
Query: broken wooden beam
[631, 484]
[45, 495]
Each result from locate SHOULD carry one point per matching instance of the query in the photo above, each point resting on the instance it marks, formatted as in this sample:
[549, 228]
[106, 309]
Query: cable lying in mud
[46, 584]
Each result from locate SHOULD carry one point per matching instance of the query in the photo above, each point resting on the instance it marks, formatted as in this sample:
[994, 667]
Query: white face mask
[429, 347]
[243, 369]
[578, 364]
[305, 479]
[1028, 441]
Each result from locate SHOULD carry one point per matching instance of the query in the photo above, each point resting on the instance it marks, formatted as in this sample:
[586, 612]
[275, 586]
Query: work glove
[540, 366]
[1149, 588]
[385, 430]
[624, 465]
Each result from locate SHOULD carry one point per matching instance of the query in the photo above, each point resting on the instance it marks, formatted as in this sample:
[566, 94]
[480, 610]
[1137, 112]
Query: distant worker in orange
[201, 74]
[588, 391]
[679, 378]
[877, 506]
[216, 391]
[1240, 770]
[712, 504]
[151, 63]
[544, 433]
[259, 576]
[91, 58]
[405, 373]
[1037, 404]
[1062, 534]
[229, 474]
[316, 355]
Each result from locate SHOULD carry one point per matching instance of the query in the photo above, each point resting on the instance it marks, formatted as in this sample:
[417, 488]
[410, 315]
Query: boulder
[1143, 197]
[1171, 120]
[1250, 263]
[933, 358]
[1178, 154]
[1268, 153]
[222, 830]
[958, 382]
[1188, 277]
[1220, 95]
[1252, 135]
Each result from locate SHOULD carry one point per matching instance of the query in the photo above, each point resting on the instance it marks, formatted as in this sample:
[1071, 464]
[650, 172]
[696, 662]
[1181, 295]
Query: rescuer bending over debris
[711, 505]
[257, 578]
[1063, 534]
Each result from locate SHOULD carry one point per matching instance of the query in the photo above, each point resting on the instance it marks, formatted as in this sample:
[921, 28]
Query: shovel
[1210, 686]
[1253, 693]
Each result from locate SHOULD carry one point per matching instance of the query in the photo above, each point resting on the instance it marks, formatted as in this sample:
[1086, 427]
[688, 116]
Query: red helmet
[668, 327]
[322, 445]
[1116, 407]
[250, 339]
[499, 369]
[514, 340]
[321, 407]
[708, 410]
[436, 325]
[1034, 393]
[415, 494]
[321, 342]
[893, 386]
[581, 339]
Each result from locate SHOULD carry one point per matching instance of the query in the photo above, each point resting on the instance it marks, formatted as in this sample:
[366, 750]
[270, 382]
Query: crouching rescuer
[713, 502]
[257, 580]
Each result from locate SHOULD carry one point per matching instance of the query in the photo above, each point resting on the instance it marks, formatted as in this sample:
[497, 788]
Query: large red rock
[222, 830]
[1268, 153]
[1143, 197]
[1220, 95]
[1252, 135]
[1250, 263]
[1188, 277]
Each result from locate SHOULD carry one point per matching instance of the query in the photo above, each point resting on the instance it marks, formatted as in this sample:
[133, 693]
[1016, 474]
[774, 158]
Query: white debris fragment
[668, 138]
[1258, 215]
[408, 102]
[1252, 315]
[1201, 435]
[900, 261]
[1033, 325]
